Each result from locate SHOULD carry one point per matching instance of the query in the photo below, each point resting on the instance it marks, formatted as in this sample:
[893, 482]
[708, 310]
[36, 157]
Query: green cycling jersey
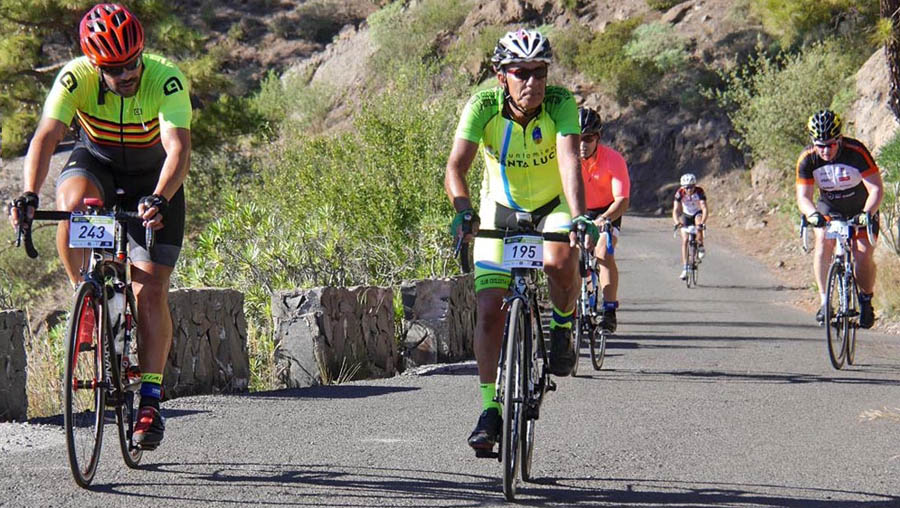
[521, 164]
[122, 132]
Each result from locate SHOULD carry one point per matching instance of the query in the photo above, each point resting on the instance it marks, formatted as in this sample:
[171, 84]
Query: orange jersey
[605, 176]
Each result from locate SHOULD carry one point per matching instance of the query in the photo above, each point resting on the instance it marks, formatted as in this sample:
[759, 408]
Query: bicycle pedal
[486, 454]
[551, 385]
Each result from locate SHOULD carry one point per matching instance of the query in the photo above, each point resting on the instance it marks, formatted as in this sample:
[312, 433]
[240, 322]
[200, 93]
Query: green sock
[561, 319]
[488, 392]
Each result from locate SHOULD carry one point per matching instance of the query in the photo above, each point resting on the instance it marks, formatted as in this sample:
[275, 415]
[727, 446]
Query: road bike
[523, 372]
[587, 321]
[841, 294]
[102, 369]
[692, 267]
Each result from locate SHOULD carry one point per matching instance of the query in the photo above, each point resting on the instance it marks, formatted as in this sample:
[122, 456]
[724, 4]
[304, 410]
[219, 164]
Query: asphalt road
[717, 396]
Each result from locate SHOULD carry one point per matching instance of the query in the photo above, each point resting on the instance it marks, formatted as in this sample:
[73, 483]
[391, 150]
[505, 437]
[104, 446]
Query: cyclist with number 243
[849, 184]
[135, 115]
[607, 189]
[529, 134]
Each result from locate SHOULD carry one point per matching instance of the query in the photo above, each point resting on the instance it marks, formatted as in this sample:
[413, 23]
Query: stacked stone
[13, 401]
[209, 348]
[324, 334]
[439, 319]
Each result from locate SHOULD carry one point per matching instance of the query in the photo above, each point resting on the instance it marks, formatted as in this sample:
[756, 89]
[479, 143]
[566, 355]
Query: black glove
[21, 203]
[816, 219]
[161, 203]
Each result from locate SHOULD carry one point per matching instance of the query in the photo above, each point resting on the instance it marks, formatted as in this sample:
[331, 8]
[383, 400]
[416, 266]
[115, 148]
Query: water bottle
[117, 317]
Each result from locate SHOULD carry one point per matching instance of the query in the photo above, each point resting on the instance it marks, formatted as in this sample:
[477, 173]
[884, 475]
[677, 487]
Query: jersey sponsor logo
[527, 160]
[536, 135]
[172, 85]
[138, 111]
[69, 82]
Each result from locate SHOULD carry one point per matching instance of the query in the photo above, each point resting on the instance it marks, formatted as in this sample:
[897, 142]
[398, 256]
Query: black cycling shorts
[168, 239]
[689, 220]
[593, 213]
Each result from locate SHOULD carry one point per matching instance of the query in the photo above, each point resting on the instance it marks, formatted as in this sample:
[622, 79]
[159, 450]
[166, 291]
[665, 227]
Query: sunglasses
[826, 144]
[526, 74]
[590, 138]
[121, 69]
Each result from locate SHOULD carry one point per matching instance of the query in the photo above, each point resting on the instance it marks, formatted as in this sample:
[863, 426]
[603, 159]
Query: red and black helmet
[110, 35]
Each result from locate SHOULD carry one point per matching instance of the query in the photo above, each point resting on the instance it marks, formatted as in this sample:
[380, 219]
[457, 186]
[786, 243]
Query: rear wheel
[126, 413]
[84, 390]
[853, 321]
[581, 325]
[836, 321]
[534, 385]
[513, 398]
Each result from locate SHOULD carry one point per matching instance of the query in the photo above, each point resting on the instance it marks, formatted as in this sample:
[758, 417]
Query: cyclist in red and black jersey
[850, 184]
[689, 209]
[135, 114]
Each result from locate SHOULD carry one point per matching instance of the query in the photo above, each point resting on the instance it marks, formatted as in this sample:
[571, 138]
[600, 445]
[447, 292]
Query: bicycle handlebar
[853, 221]
[24, 233]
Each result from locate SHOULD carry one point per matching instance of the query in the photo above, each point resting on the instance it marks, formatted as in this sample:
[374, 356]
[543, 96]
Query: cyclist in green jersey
[529, 135]
[135, 115]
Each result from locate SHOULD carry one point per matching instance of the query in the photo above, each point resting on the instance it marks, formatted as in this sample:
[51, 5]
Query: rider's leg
[609, 272]
[561, 267]
[822, 261]
[489, 323]
[684, 248]
[70, 194]
[865, 265]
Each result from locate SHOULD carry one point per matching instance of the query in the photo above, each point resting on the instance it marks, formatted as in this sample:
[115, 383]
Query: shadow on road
[110, 417]
[335, 485]
[343, 391]
[717, 376]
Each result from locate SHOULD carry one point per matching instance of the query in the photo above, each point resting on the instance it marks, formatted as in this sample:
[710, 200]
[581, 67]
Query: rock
[870, 117]
[439, 319]
[13, 366]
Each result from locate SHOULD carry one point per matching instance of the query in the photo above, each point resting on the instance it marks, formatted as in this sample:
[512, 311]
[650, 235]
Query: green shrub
[293, 102]
[770, 98]
[604, 59]
[658, 44]
[663, 5]
[567, 42]
[17, 129]
[793, 21]
[889, 163]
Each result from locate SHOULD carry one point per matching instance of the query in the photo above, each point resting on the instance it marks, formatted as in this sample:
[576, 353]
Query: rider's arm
[875, 186]
[616, 209]
[704, 211]
[620, 185]
[570, 171]
[50, 132]
[458, 165]
[177, 143]
[676, 211]
[805, 194]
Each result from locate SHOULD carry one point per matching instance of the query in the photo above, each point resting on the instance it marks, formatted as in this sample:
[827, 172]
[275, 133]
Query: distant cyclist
[689, 209]
[135, 116]
[850, 184]
[607, 189]
[529, 135]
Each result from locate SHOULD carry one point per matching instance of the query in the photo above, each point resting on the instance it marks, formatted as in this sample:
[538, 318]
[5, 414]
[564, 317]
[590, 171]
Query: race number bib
[523, 251]
[91, 231]
[837, 229]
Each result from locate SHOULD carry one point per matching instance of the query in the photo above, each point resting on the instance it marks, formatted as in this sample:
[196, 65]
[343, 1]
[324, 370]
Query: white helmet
[522, 46]
[688, 179]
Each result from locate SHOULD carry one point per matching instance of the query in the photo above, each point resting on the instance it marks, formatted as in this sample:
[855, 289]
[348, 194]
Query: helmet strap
[508, 99]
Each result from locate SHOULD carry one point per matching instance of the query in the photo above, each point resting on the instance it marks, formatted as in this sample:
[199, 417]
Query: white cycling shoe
[683, 275]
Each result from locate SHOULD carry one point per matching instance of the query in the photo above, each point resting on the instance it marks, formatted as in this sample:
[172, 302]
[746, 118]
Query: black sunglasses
[121, 69]
[526, 74]
[826, 144]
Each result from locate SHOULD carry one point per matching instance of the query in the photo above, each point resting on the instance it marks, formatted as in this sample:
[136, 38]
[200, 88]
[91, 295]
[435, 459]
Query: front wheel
[84, 387]
[513, 397]
[129, 376]
[598, 347]
[854, 321]
[836, 319]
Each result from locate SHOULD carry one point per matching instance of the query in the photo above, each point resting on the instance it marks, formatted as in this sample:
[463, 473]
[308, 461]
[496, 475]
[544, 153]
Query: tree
[890, 9]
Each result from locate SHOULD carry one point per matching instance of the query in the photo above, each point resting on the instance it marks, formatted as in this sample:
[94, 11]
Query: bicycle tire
[853, 321]
[598, 347]
[512, 398]
[835, 317]
[581, 323]
[126, 411]
[84, 392]
[531, 378]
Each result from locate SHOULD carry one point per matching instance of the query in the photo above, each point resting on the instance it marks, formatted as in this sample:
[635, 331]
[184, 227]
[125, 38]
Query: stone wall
[325, 334]
[209, 349]
[439, 319]
[13, 402]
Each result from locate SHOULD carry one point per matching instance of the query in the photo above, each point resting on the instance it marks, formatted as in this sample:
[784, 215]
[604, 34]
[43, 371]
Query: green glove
[589, 227]
[460, 217]
[862, 219]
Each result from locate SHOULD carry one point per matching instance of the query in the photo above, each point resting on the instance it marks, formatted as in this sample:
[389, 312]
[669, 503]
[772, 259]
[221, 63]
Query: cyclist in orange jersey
[607, 189]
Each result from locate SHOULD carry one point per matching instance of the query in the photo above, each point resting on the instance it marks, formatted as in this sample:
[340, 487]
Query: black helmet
[589, 120]
[522, 46]
[824, 125]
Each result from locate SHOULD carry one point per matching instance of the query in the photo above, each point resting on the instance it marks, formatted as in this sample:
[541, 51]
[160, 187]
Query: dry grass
[886, 413]
[46, 366]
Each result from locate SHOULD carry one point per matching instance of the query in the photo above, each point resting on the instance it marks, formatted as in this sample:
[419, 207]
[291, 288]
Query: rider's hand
[458, 226]
[816, 219]
[592, 234]
[863, 219]
[28, 201]
[152, 209]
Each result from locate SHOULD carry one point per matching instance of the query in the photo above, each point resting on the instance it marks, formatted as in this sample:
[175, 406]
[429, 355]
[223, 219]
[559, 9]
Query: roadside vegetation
[278, 199]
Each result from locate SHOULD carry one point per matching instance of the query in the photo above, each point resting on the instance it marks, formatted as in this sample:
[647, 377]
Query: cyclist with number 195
[529, 135]
[134, 111]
